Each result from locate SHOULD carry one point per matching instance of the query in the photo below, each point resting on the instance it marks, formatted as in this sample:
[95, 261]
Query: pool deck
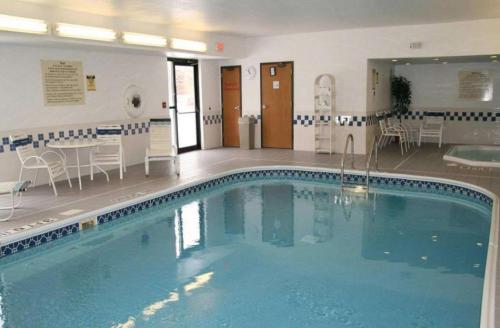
[40, 204]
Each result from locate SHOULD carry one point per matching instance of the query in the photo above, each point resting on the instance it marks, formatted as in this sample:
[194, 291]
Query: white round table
[75, 144]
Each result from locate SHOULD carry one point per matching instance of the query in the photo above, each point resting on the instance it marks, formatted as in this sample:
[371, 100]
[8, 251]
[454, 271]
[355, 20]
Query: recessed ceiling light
[85, 32]
[144, 39]
[23, 25]
[493, 57]
[436, 59]
[394, 60]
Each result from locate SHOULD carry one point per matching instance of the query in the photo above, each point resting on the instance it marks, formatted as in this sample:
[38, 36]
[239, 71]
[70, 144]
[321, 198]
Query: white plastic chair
[160, 144]
[49, 160]
[15, 189]
[109, 152]
[411, 132]
[389, 132]
[432, 127]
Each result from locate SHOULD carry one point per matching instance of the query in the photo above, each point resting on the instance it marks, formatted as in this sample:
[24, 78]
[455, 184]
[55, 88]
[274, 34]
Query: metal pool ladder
[342, 163]
[374, 147]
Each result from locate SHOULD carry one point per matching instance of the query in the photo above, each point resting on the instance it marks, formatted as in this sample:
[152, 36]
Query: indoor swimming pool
[271, 251]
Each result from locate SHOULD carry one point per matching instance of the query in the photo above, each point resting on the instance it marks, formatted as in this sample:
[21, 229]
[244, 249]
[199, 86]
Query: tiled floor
[40, 204]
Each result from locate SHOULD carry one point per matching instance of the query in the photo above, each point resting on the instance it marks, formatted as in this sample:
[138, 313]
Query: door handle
[236, 107]
[264, 106]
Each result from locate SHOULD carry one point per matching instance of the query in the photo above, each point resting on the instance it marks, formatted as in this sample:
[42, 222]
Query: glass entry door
[184, 100]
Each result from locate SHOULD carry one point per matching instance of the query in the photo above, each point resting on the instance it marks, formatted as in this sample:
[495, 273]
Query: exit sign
[219, 46]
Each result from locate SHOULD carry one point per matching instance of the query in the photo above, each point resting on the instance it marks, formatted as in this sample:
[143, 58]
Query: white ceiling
[270, 17]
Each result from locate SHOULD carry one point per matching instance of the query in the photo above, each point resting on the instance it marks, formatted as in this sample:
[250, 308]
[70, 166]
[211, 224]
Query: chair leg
[35, 178]
[177, 166]
[123, 160]
[91, 162]
[21, 174]
[67, 177]
[53, 184]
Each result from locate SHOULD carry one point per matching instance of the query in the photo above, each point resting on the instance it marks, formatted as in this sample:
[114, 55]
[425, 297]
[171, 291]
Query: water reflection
[189, 229]
[233, 241]
[277, 215]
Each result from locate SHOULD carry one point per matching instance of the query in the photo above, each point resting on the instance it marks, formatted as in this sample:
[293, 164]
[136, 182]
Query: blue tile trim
[38, 240]
[212, 119]
[341, 120]
[42, 139]
[476, 116]
[406, 184]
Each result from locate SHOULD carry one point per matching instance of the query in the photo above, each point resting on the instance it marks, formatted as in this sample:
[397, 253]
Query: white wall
[22, 107]
[345, 54]
[435, 88]
[436, 85]
[210, 104]
[378, 94]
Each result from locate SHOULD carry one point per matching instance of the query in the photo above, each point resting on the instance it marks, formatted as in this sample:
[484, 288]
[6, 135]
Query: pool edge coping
[487, 318]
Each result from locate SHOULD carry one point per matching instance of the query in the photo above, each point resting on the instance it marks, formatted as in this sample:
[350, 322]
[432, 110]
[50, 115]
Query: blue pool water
[261, 254]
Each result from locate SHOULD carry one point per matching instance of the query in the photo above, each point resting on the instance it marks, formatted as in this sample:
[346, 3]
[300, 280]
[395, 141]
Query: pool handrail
[351, 138]
[369, 160]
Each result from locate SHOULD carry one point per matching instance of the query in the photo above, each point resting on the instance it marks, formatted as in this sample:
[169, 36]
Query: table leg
[78, 168]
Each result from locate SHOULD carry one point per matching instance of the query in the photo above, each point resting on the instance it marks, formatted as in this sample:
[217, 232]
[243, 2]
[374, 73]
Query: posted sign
[63, 82]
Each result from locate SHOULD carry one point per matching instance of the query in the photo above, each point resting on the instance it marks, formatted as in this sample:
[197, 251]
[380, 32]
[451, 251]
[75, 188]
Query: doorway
[184, 102]
[231, 105]
[276, 90]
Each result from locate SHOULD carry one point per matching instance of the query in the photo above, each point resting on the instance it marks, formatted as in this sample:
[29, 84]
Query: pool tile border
[398, 183]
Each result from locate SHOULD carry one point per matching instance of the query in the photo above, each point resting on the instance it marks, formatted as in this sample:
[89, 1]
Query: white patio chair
[109, 152]
[15, 189]
[432, 127]
[389, 132]
[160, 144]
[49, 160]
[411, 132]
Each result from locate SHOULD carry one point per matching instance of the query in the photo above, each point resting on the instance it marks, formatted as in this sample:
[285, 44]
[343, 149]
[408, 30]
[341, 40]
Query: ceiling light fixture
[144, 39]
[85, 32]
[22, 25]
[188, 45]
[493, 57]
[436, 59]
[394, 60]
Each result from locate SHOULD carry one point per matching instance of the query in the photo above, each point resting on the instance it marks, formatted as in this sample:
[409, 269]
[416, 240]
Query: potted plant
[401, 95]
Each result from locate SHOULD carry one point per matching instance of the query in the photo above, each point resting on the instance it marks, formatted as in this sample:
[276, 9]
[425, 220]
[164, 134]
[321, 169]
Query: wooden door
[276, 81]
[231, 105]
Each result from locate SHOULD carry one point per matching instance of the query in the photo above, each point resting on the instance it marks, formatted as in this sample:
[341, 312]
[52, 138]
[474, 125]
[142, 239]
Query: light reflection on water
[271, 254]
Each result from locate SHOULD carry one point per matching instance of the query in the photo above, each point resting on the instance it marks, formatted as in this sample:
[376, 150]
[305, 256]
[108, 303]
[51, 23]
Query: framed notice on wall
[475, 85]
[63, 82]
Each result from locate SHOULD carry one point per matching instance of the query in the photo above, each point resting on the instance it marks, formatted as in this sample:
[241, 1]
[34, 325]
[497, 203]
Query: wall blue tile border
[295, 174]
[41, 139]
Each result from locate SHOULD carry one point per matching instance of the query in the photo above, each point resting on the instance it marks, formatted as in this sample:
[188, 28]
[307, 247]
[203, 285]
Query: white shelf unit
[324, 113]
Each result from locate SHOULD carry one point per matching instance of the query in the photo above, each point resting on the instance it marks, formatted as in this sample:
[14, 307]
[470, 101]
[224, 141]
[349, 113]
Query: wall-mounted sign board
[63, 82]
[91, 83]
[475, 85]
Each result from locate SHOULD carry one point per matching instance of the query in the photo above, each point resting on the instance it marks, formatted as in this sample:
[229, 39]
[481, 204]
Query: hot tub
[473, 155]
